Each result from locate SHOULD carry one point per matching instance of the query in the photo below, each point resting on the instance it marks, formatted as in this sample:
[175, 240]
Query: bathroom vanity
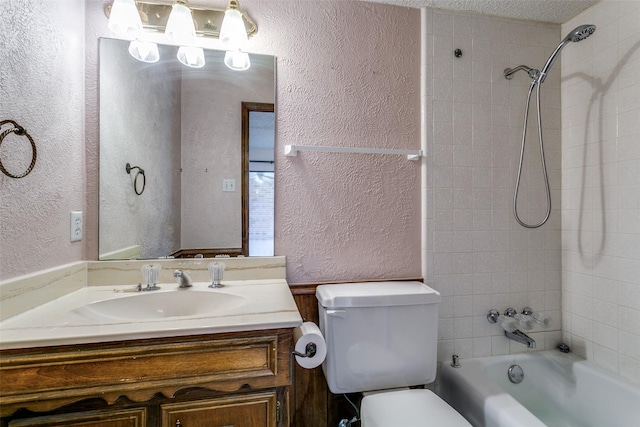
[236, 379]
[229, 367]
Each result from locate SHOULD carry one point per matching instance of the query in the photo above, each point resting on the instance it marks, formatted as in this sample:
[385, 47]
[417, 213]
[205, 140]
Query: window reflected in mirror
[258, 130]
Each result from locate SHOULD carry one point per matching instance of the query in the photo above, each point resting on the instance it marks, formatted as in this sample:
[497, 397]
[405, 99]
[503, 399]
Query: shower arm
[509, 72]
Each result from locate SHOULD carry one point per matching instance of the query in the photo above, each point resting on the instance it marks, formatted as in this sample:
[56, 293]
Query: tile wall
[478, 257]
[601, 188]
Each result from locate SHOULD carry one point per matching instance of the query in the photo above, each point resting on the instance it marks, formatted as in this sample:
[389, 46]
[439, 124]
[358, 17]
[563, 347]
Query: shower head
[580, 33]
[577, 34]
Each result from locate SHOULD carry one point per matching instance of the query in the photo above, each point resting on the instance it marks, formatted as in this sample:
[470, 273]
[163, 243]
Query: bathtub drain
[516, 374]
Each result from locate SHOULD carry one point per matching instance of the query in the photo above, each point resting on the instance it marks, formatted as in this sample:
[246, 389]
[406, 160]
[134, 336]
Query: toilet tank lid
[376, 294]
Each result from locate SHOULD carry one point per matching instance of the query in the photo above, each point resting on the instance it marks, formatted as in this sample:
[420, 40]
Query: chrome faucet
[521, 337]
[184, 280]
[509, 324]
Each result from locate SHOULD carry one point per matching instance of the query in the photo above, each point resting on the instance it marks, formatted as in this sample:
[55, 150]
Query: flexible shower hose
[534, 83]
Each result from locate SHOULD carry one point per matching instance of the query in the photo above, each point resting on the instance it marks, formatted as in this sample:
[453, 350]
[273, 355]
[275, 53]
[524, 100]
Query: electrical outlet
[229, 185]
[76, 226]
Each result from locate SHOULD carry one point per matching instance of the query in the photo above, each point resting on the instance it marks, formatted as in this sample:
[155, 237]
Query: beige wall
[601, 188]
[42, 88]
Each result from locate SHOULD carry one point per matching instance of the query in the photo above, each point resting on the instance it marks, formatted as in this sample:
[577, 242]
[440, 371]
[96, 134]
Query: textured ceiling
[557, 11]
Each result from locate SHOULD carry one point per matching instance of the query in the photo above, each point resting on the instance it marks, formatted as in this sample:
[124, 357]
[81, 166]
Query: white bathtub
[558, 390]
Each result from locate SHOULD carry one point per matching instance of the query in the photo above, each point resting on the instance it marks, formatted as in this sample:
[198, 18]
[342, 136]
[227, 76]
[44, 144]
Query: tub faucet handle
[510, 312]
[537, 316]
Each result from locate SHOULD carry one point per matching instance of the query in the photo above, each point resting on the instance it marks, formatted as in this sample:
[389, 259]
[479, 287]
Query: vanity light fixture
[181, 29]
[124, 19]
[181, 24]
[233, 35]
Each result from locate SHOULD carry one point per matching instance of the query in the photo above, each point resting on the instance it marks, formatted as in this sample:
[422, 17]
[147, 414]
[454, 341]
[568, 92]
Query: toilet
[381, 339]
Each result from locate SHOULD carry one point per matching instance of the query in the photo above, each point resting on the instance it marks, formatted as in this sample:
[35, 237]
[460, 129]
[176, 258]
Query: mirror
[195, 140]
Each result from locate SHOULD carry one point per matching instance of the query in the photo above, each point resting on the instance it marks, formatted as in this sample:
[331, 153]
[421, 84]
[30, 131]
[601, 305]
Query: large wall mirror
[186, 156]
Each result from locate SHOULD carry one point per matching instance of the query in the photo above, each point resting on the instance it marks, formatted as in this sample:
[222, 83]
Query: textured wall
[478, 256]
[42, 88]
[348, 75]
[601, 188]
[140, 108]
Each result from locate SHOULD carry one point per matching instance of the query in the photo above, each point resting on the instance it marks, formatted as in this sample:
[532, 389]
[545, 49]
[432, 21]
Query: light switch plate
[229, 185]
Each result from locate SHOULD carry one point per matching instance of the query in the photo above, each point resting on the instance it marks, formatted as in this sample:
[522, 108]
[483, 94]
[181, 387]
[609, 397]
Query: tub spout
[521, 337]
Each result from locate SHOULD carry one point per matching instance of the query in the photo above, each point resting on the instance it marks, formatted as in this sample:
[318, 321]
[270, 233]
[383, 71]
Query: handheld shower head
[580, 33]
[577, 34]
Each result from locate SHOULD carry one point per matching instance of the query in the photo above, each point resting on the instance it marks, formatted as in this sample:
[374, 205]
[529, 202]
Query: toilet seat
[409, 408]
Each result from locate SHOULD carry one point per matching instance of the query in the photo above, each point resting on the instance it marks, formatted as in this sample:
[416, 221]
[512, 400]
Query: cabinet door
[109, 418]
[248, 410]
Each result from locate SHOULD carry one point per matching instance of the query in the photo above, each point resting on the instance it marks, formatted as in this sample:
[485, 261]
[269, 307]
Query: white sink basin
[162, 304]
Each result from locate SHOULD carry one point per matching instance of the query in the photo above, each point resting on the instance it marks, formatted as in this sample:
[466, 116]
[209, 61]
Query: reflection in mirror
[258, 130]
[184, 127]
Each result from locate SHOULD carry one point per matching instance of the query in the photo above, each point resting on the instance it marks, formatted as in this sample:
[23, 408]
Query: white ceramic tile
[462, 327]
[630, 368]
[629, 344]
[463, 347]
[499, 345]
[482, 346]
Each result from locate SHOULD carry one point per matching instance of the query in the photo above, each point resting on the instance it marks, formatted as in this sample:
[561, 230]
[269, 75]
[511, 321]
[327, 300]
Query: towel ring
[135, 180]
[20, 131]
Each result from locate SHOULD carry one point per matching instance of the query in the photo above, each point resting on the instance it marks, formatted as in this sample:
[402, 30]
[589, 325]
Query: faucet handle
[507, 323]
[510, 312]
[536, 316]
[216, 270]
[150, 274]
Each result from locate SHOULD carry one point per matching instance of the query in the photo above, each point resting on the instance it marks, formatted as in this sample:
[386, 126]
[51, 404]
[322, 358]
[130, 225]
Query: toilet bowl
[409, 408]
[382, 336]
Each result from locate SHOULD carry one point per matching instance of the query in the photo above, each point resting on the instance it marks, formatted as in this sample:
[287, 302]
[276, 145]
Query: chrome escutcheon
[516, 374]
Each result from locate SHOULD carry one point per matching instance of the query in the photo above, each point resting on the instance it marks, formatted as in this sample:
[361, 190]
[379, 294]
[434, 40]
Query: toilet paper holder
[309, 351]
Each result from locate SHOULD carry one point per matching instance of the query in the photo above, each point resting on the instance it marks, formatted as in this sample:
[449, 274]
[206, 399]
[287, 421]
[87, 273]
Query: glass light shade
[144, 51]
[124, 19]
[180, 28]
[191, 56]
[237, 60]
[233, 33]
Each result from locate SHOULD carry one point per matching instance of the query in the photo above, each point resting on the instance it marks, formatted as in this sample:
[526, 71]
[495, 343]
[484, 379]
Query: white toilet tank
[379, 335]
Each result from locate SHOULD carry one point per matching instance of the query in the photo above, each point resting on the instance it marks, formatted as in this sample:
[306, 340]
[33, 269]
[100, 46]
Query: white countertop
[269, 305]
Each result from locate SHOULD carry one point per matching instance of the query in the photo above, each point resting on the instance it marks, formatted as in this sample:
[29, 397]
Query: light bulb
[233, 33]
[237, 60]
[144, 51]
[191, 56]
[180, 28]
[124, 19]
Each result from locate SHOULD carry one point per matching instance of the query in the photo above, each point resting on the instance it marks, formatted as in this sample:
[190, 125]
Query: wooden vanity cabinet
[109, 418]
[236, 379]
[252, 410]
